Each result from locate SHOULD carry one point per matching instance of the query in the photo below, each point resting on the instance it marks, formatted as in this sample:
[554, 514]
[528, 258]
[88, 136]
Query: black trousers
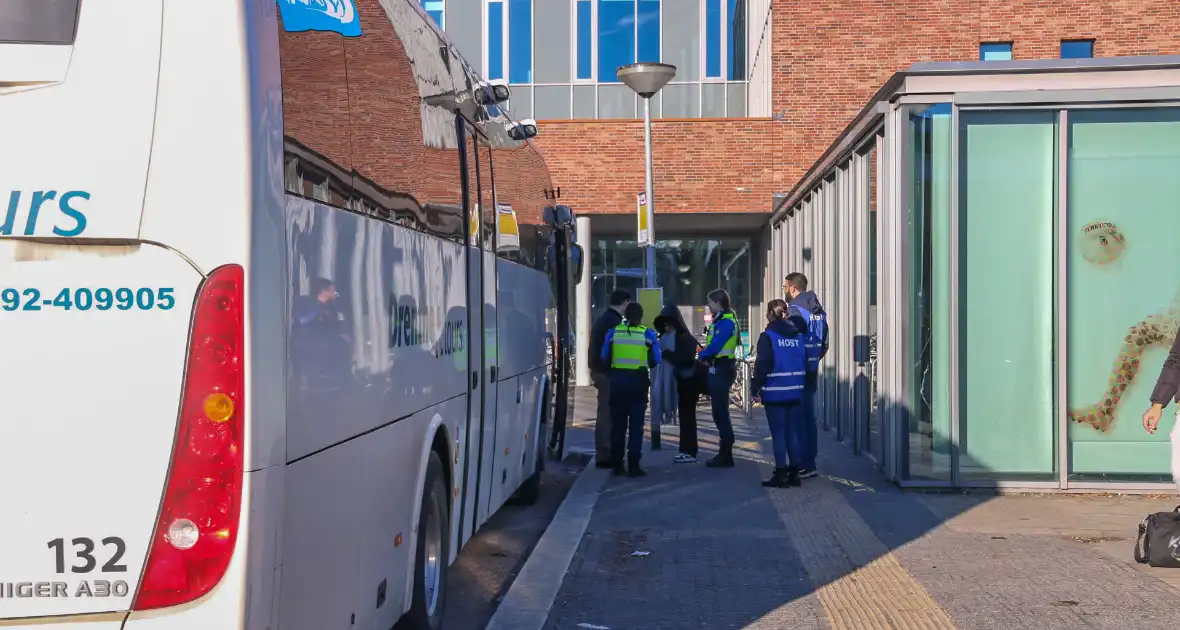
[687, 395]
[628, 407]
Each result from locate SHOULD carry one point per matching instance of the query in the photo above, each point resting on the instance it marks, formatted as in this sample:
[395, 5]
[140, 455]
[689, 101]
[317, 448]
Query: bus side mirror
[523, 130]
[492, 92]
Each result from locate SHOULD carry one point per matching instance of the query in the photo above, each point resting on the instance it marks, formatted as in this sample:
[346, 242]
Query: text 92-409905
[86, 299]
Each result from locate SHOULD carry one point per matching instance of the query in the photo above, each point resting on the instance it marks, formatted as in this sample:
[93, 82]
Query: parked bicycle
[739, 392]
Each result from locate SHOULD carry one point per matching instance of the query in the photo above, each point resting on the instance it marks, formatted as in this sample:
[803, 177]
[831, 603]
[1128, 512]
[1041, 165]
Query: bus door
[490, 481]
[469, 520]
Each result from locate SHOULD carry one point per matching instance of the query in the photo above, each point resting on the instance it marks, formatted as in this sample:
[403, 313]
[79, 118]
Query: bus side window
[475, 199]
[522, 180]
[487, 184]
[407, 168]
[317, 152]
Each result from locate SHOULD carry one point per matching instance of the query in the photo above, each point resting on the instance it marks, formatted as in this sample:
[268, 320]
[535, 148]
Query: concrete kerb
[527, 603]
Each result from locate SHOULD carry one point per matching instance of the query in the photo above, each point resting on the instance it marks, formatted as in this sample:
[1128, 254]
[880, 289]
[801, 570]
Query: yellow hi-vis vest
[628, 348]
[731, 343]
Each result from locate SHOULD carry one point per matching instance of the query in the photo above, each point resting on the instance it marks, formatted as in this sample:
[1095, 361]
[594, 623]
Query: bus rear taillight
[198, 523]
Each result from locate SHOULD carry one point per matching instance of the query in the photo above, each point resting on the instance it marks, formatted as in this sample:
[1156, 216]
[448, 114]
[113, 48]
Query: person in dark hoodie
[807, 306]
[600, 374]
[689, 378]
[780, 370]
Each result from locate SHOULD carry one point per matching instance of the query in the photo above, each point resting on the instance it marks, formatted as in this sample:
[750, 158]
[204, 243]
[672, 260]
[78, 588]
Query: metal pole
[650, 259]
[650, 254]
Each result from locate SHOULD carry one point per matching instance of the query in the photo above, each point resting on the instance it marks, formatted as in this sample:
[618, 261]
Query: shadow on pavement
[691, 547]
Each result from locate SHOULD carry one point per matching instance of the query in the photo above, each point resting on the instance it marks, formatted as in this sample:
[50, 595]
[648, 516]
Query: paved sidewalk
[848, 551]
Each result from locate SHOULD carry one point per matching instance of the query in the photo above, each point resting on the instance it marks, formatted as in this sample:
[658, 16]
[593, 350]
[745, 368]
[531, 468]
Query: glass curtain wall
[1005, 289]
[686, 269]
[826, 237]
[873, 166]
[585, 42]
[984, 312]
[930, 318]
[1123, 286]
[1029, 288]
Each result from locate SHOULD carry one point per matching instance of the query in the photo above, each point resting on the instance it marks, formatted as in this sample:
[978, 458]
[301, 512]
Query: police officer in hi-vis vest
[630, 349]
[780, 371]
[806, 305]
[720, 344]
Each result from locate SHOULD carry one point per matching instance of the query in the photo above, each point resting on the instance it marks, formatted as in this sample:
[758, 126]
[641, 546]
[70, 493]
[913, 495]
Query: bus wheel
[430, 565]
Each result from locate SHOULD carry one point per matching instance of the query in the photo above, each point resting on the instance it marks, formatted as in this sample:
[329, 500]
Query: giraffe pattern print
[1158, 329]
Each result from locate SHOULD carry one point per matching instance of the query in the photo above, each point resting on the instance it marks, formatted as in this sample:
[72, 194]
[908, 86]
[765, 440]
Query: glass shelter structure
[998, 246]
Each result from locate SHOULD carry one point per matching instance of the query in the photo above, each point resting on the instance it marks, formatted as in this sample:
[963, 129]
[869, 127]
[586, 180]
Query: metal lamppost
[646, 79]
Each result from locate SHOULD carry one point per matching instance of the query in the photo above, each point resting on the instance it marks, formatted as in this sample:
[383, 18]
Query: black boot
[778, 479]
[724, 459]
[633, 469]
[618, 468]
[792, 480]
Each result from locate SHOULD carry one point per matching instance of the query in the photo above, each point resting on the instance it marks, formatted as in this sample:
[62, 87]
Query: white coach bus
[277, 283]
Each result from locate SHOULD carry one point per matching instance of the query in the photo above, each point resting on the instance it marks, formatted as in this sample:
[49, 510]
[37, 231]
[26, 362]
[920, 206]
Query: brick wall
[697, 166]
[830, 56]
[828, 59]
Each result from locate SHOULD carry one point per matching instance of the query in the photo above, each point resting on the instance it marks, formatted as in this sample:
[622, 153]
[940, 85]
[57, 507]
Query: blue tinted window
[616, 37]
[520, 41]
[939, 109]
[995, 52]
[1077, 49]
[495, 40]
[647, 25]
[736, 33]
[713, 38]
[585, 44]
[435, 9]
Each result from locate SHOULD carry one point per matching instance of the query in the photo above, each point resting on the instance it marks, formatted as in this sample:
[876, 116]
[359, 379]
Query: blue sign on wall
[338, 16]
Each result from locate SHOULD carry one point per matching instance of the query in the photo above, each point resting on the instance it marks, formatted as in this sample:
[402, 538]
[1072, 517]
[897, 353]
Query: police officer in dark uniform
[720, 345]
[631, 350]
[806, 305]
[780, 371]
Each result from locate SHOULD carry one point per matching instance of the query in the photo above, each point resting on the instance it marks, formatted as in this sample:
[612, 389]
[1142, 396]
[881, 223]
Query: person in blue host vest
[720, 344]
[780, 372]
[630, 349]
[807, 305]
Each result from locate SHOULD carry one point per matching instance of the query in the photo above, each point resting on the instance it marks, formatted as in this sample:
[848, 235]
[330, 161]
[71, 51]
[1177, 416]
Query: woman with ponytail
[780, 370]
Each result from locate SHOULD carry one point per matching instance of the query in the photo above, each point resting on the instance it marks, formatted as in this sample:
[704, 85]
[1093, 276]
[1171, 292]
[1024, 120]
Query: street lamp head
[646, 78]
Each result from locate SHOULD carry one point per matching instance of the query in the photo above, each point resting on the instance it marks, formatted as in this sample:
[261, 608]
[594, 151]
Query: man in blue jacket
[806, 305]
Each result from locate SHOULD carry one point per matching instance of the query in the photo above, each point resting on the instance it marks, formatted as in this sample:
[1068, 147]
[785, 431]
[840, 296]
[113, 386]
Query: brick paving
[847, 551]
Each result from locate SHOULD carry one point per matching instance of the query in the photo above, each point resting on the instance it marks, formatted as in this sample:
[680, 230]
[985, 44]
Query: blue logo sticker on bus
[338, 16]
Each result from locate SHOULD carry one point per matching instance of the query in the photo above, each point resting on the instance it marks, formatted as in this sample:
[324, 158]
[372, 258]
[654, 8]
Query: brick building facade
[827, 59]
[763, 88]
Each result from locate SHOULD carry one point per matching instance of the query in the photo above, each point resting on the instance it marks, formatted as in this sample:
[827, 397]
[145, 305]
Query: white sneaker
[807, 473]
[684, 458]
